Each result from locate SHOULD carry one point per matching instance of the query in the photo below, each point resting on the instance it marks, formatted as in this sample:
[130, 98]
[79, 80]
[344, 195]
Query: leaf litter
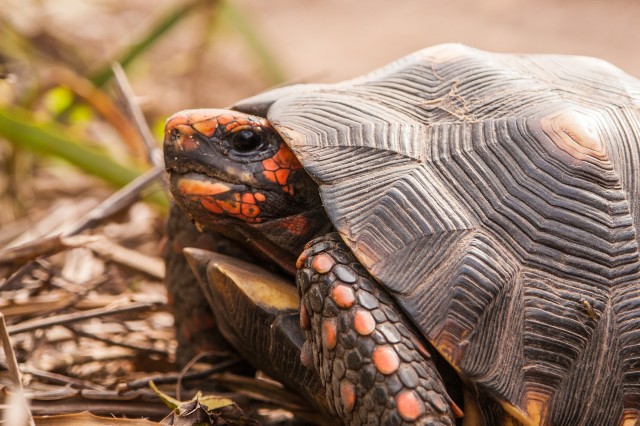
[90, 330]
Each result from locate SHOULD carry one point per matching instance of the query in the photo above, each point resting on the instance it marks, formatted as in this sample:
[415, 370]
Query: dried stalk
[80, 316]
[12, 365]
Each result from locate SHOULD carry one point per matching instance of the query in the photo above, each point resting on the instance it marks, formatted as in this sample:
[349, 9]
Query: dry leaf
[88, 419]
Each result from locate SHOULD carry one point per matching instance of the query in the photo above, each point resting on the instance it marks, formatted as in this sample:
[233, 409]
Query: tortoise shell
[496, 198]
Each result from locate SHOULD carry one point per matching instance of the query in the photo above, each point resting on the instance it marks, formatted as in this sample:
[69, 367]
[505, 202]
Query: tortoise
[482, 205]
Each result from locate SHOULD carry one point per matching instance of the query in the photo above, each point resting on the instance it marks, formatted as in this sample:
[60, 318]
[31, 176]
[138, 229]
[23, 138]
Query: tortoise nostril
[174, 135]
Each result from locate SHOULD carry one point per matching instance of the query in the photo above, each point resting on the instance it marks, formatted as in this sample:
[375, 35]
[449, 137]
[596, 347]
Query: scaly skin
[374, 368]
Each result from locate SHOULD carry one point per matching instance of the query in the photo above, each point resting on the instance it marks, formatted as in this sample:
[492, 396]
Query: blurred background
[67, 139]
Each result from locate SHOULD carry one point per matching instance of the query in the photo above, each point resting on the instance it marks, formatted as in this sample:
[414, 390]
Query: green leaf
[215, 402]
[169, 401]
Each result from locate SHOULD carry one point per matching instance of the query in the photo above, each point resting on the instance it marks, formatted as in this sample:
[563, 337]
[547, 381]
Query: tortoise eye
[246, 141]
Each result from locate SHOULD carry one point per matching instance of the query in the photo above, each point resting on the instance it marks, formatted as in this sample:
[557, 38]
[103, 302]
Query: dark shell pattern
[496, 198]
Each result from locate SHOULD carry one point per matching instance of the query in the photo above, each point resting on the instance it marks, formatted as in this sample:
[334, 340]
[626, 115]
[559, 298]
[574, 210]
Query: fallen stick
[80, 316]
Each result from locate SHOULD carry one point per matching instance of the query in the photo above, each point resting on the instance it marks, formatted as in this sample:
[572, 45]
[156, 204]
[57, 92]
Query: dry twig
[79, 316]
[12, 365]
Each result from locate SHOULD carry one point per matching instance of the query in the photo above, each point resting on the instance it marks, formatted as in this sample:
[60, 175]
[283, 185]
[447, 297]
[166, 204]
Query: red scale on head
[225, 119]
[207, 128]
[242, 206]
[278, 168]
[250, 211]
[211, 205]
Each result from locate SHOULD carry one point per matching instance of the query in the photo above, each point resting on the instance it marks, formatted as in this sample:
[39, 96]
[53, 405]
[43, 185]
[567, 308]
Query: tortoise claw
[257, 312]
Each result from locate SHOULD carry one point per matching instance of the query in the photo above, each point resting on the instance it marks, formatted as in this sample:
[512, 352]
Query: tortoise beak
[184, 136]
[181, 144]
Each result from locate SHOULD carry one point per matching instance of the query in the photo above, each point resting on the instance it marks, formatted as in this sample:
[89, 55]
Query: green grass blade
[17, 127]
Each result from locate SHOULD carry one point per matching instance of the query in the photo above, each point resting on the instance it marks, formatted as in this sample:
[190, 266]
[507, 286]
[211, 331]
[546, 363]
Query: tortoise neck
[282, 240]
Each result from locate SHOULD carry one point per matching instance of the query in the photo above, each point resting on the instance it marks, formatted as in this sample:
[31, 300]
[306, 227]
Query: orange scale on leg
[303, 256]
[363, 322]
[329, 334]
[343, 296]
[322, 263]
[305, 324]
[385, 359]
[306, 355]
[409, 405]
[347, 395]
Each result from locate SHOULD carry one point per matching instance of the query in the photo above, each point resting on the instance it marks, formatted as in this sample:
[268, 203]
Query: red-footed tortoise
[484, 203]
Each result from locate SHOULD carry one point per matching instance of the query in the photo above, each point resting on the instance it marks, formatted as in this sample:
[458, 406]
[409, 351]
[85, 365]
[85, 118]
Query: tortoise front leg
[373, 367]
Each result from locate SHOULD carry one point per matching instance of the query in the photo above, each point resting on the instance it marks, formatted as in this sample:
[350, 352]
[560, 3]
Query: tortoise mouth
[196, 184]
[194, 170]
[214, 203]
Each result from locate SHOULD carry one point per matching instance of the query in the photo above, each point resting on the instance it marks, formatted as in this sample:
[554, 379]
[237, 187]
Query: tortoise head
[232, 173]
